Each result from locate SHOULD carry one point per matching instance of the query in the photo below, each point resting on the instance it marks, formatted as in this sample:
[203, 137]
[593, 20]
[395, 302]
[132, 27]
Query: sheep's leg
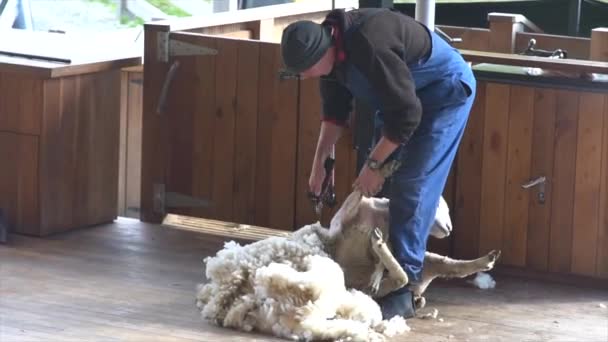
[440, 266]
[397, 275]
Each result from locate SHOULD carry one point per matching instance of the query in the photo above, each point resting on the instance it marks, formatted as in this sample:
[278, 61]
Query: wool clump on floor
[289, 287]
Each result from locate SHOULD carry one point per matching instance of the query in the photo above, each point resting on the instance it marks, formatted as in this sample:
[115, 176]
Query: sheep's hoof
[419, 302]
[492, 257]
[376, 279]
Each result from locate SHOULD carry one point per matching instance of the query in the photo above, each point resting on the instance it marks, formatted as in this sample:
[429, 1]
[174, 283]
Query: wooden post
[263, 30]
[599, 44]
[154, 139]
[503, 28]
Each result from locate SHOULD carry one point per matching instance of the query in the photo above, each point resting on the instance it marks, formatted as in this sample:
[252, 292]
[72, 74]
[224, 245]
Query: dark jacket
[374, 49]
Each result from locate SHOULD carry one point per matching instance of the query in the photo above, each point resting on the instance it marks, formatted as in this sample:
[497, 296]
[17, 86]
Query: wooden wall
[517, 133]
[59, 144]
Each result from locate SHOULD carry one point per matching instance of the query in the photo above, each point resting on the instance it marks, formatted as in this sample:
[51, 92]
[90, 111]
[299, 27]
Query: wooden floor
[130, 281]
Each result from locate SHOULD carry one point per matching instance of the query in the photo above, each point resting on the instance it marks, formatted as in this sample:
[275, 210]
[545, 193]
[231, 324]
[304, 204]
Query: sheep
[291, 288]
[363, 222]
[319, 283]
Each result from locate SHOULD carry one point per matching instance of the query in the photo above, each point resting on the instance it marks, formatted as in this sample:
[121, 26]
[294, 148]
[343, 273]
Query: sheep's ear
[348, 210]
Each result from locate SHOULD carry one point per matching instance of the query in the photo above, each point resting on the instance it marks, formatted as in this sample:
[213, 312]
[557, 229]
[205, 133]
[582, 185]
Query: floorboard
[130, 281]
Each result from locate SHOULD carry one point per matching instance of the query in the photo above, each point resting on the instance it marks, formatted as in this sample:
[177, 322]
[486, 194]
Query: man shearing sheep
[421, 90]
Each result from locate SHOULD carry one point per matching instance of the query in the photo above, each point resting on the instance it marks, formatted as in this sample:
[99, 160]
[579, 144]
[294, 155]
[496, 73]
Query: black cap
[303, 44]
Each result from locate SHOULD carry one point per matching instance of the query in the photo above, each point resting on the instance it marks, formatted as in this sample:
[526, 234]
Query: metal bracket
[168, 47]
[540, 182]
[164, 200]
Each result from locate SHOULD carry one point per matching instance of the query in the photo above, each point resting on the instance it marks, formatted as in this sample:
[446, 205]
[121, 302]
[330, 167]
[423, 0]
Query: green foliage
[167, 7]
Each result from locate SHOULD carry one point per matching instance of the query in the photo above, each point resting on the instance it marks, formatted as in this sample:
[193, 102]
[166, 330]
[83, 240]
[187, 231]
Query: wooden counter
[59, 126]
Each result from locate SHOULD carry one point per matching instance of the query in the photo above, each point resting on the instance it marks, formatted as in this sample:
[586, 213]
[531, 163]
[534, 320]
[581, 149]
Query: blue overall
[446, 87]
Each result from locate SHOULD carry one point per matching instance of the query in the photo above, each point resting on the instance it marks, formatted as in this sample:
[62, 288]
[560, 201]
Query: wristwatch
[373, 164]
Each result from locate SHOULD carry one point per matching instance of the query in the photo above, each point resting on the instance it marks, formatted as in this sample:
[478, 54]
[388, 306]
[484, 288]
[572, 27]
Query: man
[422, 91]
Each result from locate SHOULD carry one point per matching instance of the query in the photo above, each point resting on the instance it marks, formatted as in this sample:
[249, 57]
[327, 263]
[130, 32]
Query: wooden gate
[236, 134]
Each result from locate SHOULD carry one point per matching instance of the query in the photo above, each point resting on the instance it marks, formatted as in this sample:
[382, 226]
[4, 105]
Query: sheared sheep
[318, 283]
[289, 287]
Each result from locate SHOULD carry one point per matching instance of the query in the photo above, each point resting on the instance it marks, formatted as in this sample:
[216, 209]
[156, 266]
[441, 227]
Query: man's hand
[369, 182]
[317, 175]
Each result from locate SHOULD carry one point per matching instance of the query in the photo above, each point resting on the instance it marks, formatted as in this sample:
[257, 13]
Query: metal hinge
[164, 200]
[168, 47]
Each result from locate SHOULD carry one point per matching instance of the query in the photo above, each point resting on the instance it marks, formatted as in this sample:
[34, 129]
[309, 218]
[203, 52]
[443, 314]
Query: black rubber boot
[398, 303]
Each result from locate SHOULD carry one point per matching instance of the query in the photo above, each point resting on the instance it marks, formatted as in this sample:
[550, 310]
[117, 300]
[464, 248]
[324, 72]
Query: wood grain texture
[602, 240]
[154, 140]
[79, 151]
[203, 93]
[133, 155]
[19, 182]
[246, 117]
[466, 209]
[20, 104]
[543, 132]
[266, 108]
[494, 167]
[129, 179]
[587, 183]
[284, 125]
[598, 50]
[131, 281]
[308, 133]
[224, 138]
[521, 115]
[566, 123]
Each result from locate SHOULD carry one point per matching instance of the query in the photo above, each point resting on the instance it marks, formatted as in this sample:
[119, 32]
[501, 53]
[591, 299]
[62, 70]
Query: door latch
[540, 182]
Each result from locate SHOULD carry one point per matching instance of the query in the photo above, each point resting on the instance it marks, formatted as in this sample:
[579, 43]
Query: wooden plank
[122, 152]
[133, 158]
[79, 151]
[246, 131]
[502, 35]
[58, 170]
[493, 174]
[566, 122]
[180, 111]
[223, 145]
[465, 211]
[19, 198]
[521, 115]
[308, 133]
[284, 133]
[587, 183]
[154, 140]
[230, 230]
[539, 222]
[602, 241]
[203, 128]
[266, 107]
[472, 38]
[598, 50]
[277, 138]
[19, 104]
